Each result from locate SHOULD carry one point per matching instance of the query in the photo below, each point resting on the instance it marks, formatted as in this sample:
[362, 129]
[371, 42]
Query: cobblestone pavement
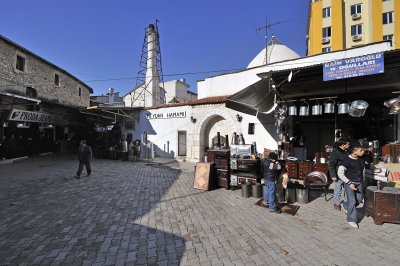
[139, 213]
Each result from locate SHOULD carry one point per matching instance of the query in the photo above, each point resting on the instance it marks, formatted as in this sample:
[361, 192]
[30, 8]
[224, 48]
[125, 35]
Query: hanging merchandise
[316, 109]
[292, 110]
[358, 108]
[343, 108]
[329, 106]
[304, 109]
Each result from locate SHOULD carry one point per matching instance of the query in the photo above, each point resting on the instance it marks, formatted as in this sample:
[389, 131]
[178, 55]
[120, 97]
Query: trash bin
[301, 195]
[256, 190]
[125, 156]
[246, 190]
[290, 194]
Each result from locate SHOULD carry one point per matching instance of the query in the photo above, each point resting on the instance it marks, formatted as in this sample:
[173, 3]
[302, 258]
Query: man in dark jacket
[272, 169]
[337, 155]
[84, 157]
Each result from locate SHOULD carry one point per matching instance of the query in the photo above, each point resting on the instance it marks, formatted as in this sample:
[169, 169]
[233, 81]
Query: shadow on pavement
[48, 216]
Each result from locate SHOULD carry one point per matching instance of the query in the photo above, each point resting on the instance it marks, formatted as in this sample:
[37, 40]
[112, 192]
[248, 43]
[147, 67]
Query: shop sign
[167, 115]
[29, 116]
[354, 67]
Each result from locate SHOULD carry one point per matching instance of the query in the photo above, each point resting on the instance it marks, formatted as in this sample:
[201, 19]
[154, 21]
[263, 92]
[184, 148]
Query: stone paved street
[136, 213]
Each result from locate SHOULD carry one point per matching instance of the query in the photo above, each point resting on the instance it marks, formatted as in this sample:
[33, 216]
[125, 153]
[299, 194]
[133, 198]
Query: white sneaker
[343, 208]
[353, 224]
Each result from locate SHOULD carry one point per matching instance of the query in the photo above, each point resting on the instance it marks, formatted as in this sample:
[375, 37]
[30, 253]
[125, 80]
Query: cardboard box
[394, 169]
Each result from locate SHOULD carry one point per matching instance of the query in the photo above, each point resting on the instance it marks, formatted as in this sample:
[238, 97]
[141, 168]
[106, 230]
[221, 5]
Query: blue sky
[102, 39]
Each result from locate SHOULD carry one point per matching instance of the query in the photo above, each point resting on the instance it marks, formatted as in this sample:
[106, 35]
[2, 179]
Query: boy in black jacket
[351, 172]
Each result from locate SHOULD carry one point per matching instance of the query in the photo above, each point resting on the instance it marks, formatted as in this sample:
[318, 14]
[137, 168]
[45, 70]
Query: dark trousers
[354, 197]
[80, 168]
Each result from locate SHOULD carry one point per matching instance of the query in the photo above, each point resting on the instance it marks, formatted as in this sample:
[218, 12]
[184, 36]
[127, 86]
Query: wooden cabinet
[292, 169]
[246, 170]
[220, 159]
[321, 167]
[383, 205]
[304, 168]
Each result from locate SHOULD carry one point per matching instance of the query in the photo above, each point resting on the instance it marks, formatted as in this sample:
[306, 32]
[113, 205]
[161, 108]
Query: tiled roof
[203, 101]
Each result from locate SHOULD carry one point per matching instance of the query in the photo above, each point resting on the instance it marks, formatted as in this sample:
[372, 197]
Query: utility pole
[266, 27]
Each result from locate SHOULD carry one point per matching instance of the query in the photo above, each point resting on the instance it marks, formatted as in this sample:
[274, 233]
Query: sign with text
[167, 115]
[354, 67]
[29, 116]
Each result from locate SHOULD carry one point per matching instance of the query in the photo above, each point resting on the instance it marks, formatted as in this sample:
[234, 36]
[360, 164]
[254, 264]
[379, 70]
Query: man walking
[84, 157]
[338, 154]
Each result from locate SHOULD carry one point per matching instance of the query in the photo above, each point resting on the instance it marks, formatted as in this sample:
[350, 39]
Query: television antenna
[266, 27]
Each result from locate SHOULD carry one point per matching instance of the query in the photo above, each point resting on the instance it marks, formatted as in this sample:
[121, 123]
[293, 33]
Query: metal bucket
[301, 195]
[304, 109]
[256, 190]
[343, 108]
[358, 108]
[246, 190]
[329, 106]
[316, 109]
[293, 110]
[290, 195]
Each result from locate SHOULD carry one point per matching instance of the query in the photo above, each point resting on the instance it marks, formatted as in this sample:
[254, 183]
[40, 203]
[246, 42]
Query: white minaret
[152, 92]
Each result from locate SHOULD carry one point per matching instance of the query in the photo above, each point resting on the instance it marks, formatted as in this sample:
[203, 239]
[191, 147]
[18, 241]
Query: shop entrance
[181, 143]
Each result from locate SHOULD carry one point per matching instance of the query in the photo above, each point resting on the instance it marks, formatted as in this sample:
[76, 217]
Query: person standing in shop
[351, 172]
[84, 158]
[272, 170]
[338, 154]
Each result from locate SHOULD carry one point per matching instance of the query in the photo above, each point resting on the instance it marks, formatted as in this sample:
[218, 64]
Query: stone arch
[203, 122]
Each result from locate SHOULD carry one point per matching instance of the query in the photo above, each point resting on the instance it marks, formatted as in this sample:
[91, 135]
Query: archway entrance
[208, 127]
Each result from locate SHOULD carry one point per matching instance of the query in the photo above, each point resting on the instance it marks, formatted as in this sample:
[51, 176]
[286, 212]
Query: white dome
[277, 52]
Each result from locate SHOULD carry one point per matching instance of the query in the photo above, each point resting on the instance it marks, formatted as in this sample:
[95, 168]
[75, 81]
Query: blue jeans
[269, 195]
[337, 190]
[354, 197]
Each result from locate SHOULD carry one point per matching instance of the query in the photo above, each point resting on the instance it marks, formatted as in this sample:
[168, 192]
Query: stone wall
[40, 75]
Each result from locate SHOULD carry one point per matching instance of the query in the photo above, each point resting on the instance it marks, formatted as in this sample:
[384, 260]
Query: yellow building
[341, 24]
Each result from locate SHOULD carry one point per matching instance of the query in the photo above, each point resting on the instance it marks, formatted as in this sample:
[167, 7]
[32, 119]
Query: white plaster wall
[164, 131]
[210, 119]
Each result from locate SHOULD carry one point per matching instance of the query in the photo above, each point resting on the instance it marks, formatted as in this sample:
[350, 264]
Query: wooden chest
[321, 167]
[383, 205]
[292, 169]
[305, 167]
[212, 155]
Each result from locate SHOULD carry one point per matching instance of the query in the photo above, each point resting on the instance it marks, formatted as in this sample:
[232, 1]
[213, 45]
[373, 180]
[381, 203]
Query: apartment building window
[387, 17]
[251, 128]
[56, 80]
[20, 63]
[79, 91]
[326, 50]
[326, 12]
[326, 32]
[355, 9]
[388, 38]
[356, 29]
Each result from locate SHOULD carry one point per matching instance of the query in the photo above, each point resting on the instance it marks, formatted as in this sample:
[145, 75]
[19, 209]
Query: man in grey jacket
[84, 157]
[336, 157]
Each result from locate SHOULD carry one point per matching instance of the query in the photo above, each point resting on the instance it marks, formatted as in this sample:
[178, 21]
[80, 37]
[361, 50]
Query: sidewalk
[147, 213]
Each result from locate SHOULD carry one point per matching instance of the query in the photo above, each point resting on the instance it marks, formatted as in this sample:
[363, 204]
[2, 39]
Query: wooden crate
[383, 205]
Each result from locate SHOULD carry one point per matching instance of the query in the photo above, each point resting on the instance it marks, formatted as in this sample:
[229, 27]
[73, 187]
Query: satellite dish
[289, 79]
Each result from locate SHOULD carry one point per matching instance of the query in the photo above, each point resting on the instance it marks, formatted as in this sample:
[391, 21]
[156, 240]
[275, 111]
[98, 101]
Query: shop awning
[11, 98]
[259, 97]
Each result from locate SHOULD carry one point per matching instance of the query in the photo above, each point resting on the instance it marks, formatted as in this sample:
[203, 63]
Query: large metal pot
[293, 110]
[358, 108]
[316, 109]
[329, 106]
[343, 108]
[304, 109]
